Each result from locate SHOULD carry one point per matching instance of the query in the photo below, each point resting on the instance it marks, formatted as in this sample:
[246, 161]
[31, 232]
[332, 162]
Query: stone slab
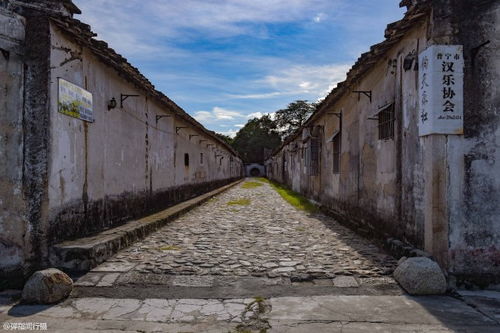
[345, 282]
[287, 314]
[85, 253]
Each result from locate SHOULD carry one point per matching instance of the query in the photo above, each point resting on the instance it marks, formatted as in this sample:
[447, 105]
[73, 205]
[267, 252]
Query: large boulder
[420, 276]
[47, 287]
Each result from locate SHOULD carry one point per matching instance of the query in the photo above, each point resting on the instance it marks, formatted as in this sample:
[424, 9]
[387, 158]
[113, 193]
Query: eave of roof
[417, 10]
[72, 7]
[83, 35]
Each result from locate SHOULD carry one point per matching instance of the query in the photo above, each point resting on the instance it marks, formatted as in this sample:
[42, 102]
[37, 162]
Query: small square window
[386, 123]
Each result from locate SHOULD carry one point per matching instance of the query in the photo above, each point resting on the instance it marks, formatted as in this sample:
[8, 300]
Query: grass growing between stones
[292, 197]
[250, 185]
[240, 202]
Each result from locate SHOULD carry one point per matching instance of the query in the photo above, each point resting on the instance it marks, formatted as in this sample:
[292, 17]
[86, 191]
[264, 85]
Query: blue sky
[225, 61]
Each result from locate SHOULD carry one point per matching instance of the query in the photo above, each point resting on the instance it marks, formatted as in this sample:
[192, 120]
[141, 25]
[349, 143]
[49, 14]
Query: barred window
[314, 146]
[201, 158]
[336, 153]
[186, 160]
[386, 123]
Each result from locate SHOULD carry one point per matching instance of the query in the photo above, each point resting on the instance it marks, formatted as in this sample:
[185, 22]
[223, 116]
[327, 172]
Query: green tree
[290, 119]
[257, 136]
[224, 137]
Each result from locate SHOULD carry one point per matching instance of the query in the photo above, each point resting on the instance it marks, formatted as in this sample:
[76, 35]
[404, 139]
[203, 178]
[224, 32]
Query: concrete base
[85, 253]
[283, 314]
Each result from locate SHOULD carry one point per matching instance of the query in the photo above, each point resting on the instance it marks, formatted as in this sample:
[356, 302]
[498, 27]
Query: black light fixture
[112, 104]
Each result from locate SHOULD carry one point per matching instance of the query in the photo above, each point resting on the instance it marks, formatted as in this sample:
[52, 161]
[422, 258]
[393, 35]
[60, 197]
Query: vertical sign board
[441, 90]
[74, 101]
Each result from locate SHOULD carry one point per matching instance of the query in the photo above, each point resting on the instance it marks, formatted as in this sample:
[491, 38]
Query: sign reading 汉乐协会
[74, 101]
[441, 90]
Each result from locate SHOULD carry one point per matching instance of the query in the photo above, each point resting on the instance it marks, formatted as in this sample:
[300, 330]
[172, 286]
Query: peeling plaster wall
[440, 193]
[474, 188]
[64, 178]
[380, 184]
[13, 210]
[124, 164]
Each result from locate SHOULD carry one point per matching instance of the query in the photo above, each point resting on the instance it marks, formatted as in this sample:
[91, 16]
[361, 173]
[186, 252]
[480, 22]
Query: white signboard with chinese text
[441, 90]
[74, 101]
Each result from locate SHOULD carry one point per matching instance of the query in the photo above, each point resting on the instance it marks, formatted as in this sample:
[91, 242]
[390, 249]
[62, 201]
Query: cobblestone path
[250, 232]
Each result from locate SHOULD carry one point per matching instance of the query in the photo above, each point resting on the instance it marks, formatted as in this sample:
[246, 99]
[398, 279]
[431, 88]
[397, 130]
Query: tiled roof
[82, 34]
[417, 9]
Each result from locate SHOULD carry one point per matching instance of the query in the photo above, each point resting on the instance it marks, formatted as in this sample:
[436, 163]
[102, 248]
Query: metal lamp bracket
[177, 129]
[162, 116]
[337, 114]
[123, 97]
[367, 93]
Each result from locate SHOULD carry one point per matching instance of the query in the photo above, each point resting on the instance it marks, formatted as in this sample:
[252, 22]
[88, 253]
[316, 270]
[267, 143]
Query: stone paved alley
[248, 234]
[247, 261]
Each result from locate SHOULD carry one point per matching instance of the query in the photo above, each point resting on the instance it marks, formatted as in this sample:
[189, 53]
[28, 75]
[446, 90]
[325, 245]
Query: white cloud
[306, 79]
[217, 114]
[255, 115]
[203, 116]
[319, 17]
[257, 96]
[239, 125]
[134, 26]
[224, 114]
[231, 133]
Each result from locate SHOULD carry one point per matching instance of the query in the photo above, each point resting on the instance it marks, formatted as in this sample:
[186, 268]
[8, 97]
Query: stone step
[85, 253]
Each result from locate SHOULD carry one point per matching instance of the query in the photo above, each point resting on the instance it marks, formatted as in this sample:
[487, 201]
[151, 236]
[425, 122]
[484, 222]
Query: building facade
[407, 147]
[86, 142]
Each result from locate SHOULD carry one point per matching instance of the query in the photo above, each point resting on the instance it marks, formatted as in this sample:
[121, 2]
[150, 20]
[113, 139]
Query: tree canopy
[290, 119]
[226, 138]
[257, 136]
[262, 135]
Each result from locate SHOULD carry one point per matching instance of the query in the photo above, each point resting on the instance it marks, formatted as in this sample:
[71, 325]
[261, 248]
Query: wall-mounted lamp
[112, 104]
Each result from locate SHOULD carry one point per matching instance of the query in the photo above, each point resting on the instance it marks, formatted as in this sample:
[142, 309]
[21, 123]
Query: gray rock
[47, 287]
[420, 276]
[401, 260]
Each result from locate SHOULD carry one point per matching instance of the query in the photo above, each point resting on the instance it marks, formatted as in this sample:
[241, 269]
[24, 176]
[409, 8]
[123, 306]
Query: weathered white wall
[473, 192]
[13, 229]
[437, 192]
[370, 186]
[125, 155]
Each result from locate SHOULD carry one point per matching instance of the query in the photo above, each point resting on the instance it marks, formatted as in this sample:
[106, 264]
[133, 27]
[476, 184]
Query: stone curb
[86, 253]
